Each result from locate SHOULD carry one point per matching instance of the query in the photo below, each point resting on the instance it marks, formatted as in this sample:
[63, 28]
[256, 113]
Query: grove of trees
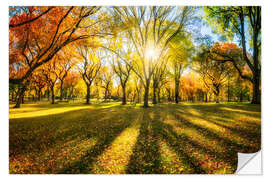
[134, 54]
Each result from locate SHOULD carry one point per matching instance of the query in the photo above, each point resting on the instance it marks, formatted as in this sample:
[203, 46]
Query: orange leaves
[225, 48]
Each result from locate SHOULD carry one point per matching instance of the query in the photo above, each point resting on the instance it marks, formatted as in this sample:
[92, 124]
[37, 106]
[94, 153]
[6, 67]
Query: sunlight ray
[115, 158]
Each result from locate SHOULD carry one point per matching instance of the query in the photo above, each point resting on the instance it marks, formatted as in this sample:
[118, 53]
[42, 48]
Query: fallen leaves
[113, 139]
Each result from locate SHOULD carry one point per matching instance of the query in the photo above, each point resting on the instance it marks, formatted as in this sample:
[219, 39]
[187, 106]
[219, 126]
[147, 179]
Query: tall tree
[150, 30]
[122, 61]
[158, 76]
[89, 67]
[106, 77]
[213, 73]
[243, 23]
[50, 72]
[180, 50]
[65, 64]
[38, 82]
[32, 44]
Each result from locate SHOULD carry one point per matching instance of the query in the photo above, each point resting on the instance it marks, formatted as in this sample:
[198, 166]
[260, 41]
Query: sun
[151, 53]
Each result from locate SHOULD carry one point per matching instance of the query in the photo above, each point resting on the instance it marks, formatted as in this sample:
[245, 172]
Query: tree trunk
[176, 92]
[139, 95]
[39, 94]
[169, 95]
[87, 94]
[53, 96]
[206, 100]
[146, 94]
[106, 94]
[256, 98]
[48, 94]
[61, 91]
[124, 99]
[20, 96]
[159, 101]
[176, 96]
[217, 94]
[217, 98]
[228, 89]
[154, 95]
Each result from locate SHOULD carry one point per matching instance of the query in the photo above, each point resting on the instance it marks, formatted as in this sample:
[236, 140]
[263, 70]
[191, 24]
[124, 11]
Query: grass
[108, 138]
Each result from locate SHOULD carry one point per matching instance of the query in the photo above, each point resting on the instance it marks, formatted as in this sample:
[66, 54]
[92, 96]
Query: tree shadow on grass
[38, 135]
[146, 158]
[241, 127]
[105, 137]
[146, 155]
[178, 144]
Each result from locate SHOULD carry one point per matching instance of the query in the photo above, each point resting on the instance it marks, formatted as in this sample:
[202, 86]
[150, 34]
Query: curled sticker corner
[249, 163]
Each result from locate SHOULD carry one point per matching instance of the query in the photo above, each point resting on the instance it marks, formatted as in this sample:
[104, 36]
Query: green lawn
[111, 138]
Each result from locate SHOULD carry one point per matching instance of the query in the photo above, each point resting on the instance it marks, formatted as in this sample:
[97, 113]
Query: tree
[32, 44]
[90, 66]
[180, 51]
[106, 78]
[71, 82]
[235, 21]
[38, 82]
[213, 73]
[150, 30]
[122, 70]
[65, 64]
[158, 76]
[51, 76]
[121, 62]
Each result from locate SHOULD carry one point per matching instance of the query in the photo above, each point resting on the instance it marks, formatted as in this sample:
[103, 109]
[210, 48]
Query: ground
[112, 138]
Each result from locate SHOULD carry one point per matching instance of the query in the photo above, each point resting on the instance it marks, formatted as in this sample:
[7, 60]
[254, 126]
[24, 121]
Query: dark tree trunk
[23, 96]
[206, 100]
[217, 94]
[159, 101]
[228, 89]
[176, 92]
[39, 94]
[87, 94]
[256, 98]
[106, 94]
[20, 98]
[53, 96]
[217, 98]
[176, 96]
[146, 94]
[124, 99]
[48, 94]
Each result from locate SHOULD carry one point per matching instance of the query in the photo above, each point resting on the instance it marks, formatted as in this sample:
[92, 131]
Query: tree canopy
[132, 53]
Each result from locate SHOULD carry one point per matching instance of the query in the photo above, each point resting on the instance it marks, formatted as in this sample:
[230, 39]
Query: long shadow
[37, 136]
[234, 146]
[105, 137]
[146, 156]
[178, 143]
[245, 107]
[42, 133]
[253, 132]
[250, 131]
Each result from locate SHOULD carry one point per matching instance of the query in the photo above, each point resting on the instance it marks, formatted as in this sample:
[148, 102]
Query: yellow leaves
[108, 138]
[115, 159]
